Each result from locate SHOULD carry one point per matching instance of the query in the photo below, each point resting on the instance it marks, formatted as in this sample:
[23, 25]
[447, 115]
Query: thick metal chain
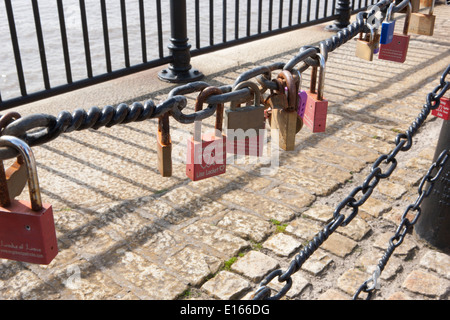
[405, 225]
[37, 129]
[403, 143]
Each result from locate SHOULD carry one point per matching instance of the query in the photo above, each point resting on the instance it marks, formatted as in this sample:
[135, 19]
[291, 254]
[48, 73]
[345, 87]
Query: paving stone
[299, 283]
[392, 190]
[245, 225]
[303, 228]
[193, 265]
[425, 283]
[356, 229]
[282, 244]
[351, 280]
[403, 250]
[375, 207]
[317, 263]
[333, 294]
[436, 261]
[221, 240]
[321, 213]
[369, 261]
[292, 196]
[344, 162]
[255, 265]
[399, 296]
[339, 245]
[319, 186]
[260, 205]
[226, 286]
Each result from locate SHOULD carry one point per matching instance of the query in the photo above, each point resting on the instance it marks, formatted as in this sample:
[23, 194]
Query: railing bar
[224, 21]
[280, 15]
[260, 16]
[270, 14]
[62, 26]
[300, 5]
[325, 8]
[291, 4]
[160, 33]
[211, 22]
[308, 11]
[249, 14]
[40, 38]
[87, 50]
[317, 9]
[143, 31]
[15, 44]
[123, 10]
[197, 24]
[333, 8]
[106, 36]
[236, 19]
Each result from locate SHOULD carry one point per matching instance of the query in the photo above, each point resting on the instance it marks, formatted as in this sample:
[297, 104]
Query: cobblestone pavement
[124, 232]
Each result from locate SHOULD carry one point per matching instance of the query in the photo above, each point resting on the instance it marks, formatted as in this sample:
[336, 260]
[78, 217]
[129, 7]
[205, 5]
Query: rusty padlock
[27, 228]
[246, 126]
[316, 110]
[422, 23]
[397, 49]
[164, 146]
[287, 120]
[206, 153]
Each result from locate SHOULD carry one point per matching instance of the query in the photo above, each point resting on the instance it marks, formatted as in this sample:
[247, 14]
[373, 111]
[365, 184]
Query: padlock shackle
[253, 87]
[201, 98]
[30, 162]
[321, 84]
[390, 14]
[407, 18]
[291, 88]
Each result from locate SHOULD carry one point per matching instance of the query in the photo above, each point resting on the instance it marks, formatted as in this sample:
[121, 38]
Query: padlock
[245, 126]
[164, 146]
[206, 153]
[388, 27]
[302, 98]
[397, 49]
[423, 23]
[316, 110]
[286, 120]
[367, 46]
[443, 111]
[425, 3]
[27, 228]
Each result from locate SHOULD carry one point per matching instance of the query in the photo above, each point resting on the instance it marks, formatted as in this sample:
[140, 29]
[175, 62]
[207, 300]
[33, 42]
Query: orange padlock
[27, 228]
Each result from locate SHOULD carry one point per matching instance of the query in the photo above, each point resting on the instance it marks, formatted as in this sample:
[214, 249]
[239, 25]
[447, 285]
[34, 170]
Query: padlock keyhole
[28, 228]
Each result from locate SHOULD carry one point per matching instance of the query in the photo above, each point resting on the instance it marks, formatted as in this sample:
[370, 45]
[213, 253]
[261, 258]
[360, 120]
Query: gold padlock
[365, 46]
[422, 23]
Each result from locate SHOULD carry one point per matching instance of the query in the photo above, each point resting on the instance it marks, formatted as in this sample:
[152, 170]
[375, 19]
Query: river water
[24, 21]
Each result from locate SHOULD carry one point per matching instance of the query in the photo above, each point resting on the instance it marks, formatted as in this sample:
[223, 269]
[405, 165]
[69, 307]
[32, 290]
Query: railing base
[169, 75]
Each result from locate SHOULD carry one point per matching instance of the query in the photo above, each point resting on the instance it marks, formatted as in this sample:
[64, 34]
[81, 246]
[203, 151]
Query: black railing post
[180, 70]
[343, 9]
[433, 224]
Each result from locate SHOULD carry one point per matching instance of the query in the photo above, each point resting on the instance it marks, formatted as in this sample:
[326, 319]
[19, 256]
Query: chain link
[405, 224]
[403, 143]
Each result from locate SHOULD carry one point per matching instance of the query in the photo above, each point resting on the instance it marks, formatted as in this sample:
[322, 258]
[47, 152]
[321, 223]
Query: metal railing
[78, 43]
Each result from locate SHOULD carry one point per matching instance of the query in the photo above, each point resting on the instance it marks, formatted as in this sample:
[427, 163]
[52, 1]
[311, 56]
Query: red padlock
[443, 111]
[206, 153]
[27, 228]
[315, 117]
[397, 49]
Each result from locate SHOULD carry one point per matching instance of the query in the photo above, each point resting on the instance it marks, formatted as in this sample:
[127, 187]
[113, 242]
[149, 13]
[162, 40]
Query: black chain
[403, 143]
[405, 225]
[37, 129]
